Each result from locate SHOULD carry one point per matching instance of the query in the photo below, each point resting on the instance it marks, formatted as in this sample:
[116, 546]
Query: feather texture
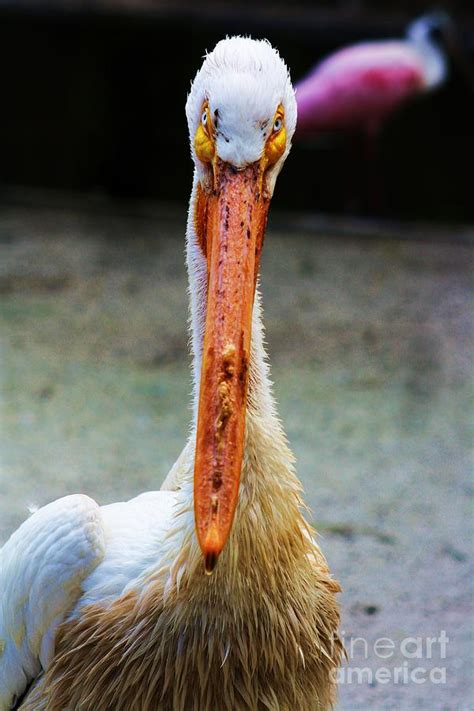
[42, 567]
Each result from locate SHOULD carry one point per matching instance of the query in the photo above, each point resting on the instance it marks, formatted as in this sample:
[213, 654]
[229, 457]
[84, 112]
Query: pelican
[211, 593]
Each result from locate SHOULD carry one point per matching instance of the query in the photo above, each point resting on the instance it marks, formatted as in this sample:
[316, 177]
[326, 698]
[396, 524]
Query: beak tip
[211, 546]
[210, 561]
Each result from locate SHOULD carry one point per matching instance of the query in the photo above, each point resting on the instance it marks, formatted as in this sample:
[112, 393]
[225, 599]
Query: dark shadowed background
[93, 95]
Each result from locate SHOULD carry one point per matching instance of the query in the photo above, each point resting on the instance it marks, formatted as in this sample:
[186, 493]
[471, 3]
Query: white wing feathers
[42, 567]
[136, 544]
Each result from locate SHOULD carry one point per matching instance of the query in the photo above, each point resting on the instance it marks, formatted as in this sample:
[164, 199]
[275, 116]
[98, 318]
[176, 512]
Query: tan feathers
[260, 633]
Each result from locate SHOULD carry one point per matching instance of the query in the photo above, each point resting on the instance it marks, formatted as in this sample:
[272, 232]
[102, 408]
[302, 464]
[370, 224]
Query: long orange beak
[230, 225]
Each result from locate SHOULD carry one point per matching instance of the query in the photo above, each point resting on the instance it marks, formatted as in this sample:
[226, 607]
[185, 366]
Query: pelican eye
[204, 143]
[276, 143]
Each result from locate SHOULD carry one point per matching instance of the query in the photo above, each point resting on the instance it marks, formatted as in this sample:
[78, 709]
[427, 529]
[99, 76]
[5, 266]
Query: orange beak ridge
[230, 224]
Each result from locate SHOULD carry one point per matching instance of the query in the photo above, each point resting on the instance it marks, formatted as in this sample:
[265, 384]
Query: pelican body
[210, 593]
[358, 87]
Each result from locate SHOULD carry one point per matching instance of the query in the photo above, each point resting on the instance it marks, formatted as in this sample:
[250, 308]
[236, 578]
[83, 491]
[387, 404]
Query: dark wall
[95, 100]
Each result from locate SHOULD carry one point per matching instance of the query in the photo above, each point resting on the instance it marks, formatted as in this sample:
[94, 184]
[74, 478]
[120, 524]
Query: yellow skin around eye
[276, 144]
[204, 139]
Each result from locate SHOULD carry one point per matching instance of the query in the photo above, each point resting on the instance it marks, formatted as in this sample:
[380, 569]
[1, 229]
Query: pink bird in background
[357, 88]
[355, 91]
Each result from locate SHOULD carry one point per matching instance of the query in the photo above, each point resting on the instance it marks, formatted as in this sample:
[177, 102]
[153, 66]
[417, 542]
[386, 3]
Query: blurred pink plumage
[358, 87]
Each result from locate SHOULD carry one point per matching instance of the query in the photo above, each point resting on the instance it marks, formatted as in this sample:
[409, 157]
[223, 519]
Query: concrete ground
[370, 337]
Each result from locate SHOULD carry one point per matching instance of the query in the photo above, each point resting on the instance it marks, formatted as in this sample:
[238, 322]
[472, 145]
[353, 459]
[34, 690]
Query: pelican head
[241, 113]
